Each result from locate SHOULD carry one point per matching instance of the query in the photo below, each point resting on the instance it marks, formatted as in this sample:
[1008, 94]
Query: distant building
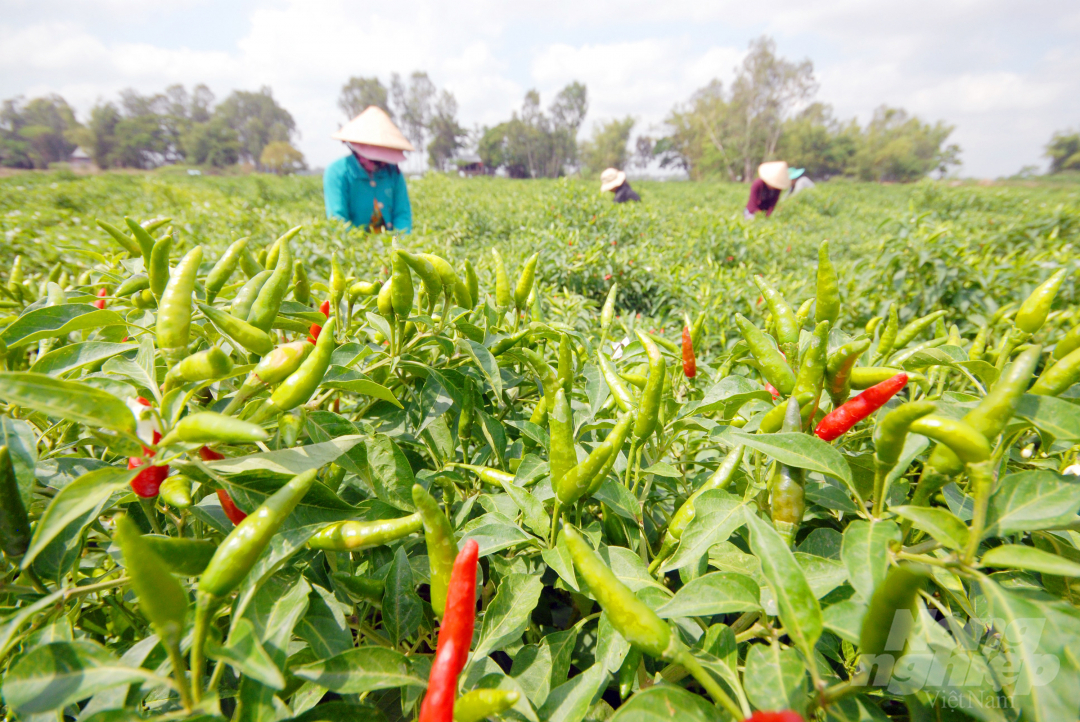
[470, 164]
[81, 159]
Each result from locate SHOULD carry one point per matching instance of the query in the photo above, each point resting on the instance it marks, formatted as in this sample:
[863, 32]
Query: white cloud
[1006, 73]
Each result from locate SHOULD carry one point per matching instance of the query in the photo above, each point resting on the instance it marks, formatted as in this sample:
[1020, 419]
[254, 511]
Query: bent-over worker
[614, 180]
[366, 187]
[765, 190]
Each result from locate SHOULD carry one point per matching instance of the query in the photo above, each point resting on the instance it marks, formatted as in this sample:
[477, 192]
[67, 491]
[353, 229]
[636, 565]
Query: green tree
[446, 133]
[608, 147]
[1063, 150]
[898, 147]
[280, 157]
[257, 119]
[37, 133]
[534, 144]
[101, 129]
[818, 142]
[359, 93]
[213, 143]
[702, 137]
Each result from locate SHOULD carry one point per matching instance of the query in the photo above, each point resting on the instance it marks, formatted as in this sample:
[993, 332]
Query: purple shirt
[763, 197]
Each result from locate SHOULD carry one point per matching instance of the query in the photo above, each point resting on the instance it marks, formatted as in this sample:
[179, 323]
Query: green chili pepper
[132, 285]
[301, 283]
[649, 408]
[978, 346]
[289, 427]
[788, 495]
[264, 309]
[505, 344]
[162, 599]
[812, 369]
[14, 522]
[827, 306]
[544, 371]
[210, 427]
[772, 364]
[338, 282]
[525, 282]
[487, 475]
[176, 491]
[241, 305]
[1068, 343]
[242, 333]
[838, 369]
[617, 437]
[628, 671]
[503, 296]
[607, 314]
[369, 590]
[619, 392]
[685, 514]
[472, 282]
[441, 548]
[346, 536]
[579, 479]
[158, 268]
[385, 302]
[433, 285]
[889, 437]
[272, 369]
[223, 270]
[1033, 312]
[480, 704]
[249, 264]
[908, 333]
[540, 413]
[273, 252]
[773, 420]
[803, 312]
[964, 440]
[126, 242]
[303, 382]
[401, 286]
[891, 615]
[787, 330]
[562, 454]
[863, 377]
[901, 358]
[174, 308]
[1057, 378]
[213, 363]
[181, 556]
[363, 288]
[994, 411]
[142, 237]
[566, 364]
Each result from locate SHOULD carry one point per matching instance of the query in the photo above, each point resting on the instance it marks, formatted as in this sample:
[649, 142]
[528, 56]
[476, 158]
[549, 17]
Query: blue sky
[1006, 74]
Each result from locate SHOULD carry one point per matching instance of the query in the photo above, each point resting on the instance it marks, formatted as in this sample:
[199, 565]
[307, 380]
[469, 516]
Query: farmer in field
[366, 188]
[765, 191]
[614, 180]
[799, 182]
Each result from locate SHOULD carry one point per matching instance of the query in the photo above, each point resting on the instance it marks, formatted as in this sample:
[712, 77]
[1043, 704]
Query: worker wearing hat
[366, 188]
[765, 191]
[614, 180]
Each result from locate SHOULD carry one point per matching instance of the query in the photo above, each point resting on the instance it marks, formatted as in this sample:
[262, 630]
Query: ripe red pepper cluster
[148, 481]
[842, 418]
[316, 329]
[100, 303]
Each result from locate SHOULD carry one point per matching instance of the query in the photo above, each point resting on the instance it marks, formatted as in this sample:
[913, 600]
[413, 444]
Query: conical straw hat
[373, 127]
[775, 174]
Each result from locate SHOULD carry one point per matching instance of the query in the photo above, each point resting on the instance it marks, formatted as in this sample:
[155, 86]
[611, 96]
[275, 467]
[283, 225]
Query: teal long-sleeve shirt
[350, 195]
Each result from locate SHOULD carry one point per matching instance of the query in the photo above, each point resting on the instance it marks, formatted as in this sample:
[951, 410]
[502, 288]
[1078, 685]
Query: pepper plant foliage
[195, 525]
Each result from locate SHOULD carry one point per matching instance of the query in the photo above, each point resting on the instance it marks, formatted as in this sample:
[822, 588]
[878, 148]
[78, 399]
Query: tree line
[147, 131]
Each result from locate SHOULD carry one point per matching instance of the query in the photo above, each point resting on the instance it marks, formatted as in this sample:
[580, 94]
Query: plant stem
[205, 605]
[715, 691]
[179, 673]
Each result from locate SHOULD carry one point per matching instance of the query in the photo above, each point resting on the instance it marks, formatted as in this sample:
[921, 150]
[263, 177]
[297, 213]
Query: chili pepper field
[545, 458]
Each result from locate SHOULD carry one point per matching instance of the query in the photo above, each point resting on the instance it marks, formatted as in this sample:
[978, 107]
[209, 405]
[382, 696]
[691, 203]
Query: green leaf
[939, 523]
[357, 383]
[1051, 415]
[21, 441]
[402, 609]
[288, 461]
[775, 677]
[487, 364]
[72, 502]
[559, 559]
[324, 626]
[864, 552]
[715, 593]
[55, 675]
[536, 518]
[1019, 556]
[665, 703]
[797, 606]
[718, 514]
[619, 499]
[844, 619]
[508, 613]
[494, 532]
[391, 475]
[1032, 501]
[74, 356]
[569, 702]
[360, 670]
[245, 653]
[69, 400]
[799, 450]
[52, 321]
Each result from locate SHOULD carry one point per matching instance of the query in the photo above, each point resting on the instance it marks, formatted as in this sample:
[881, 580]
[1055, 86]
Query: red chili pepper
[101, 303]
[315, 330]
[144, 402]
[148, 481]
[689, 362]
[455, 637]
[839, 420]
[324, 308]
[208, 454]
[782, 716]
[772, 390]
[231, 510]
